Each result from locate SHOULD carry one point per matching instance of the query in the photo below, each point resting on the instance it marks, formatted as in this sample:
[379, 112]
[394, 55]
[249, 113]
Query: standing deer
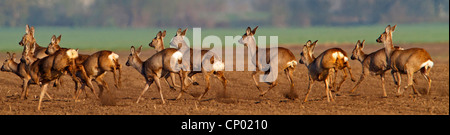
[322, 67]
[216, 66]
[95, 68]
[406, 61]
[286, 60]
[374, 63]
[43, 71]
[156, 66]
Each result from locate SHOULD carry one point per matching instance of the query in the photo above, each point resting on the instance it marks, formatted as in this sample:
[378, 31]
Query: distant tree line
[218, 13]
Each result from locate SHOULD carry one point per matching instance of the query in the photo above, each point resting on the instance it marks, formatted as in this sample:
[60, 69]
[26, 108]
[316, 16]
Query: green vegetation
[117, 38]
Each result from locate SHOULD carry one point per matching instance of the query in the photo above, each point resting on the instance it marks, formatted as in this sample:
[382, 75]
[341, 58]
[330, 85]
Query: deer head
[158, 41]
[10, 60]
[133, 58]
[306, 56]
[248, 37]
[357, 52]
[178, 39]
[386, 36]
[28, 37]
[54, 45]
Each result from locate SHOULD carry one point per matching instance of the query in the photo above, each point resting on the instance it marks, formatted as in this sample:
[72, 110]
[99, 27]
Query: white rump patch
[428, 64]
[338, 55]
[113, 56]
[218, 66]
[177, 55]
[292, 63]
[72, 54]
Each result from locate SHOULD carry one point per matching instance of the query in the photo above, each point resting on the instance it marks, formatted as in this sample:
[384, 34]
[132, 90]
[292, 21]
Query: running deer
[155, 67]
[95, 68]
[28, 38]
[54, 47]
[210, 63]
[374, 63]
[10, 65]
[322, 67]
[406, 61]
[43, 71]
[158, 44]
[286, 60]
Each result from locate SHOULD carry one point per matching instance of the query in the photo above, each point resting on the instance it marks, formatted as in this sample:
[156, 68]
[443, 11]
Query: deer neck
[309, 59]
[252, 47]
[138, 65]
[389, 48]
[363, 56]
[160, 47]
[13, 66]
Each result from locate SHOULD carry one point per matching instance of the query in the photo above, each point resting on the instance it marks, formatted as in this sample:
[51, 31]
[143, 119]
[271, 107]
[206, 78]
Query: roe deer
[406, 61]
[156, 66]
[42, 71]
[215, 66]
[322, 67]
[28, 38]
[158, 44]
[54, 47]
[96, 66]
[9, 65]
[286, 60]
[374, 63]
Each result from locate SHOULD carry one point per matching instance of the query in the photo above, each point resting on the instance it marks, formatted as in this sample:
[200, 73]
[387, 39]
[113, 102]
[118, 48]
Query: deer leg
[23, 95]
[361, 78]
[158, 83]
[254, 78]
[172, 77]
[382, 84]
[184, 84]
[342, 80]
[399, 82]
[411, 83]
[350, 72]
[221, 77]
[425, 73]
[43, 91]
[273, 84]
[290, 73]
[208, 84]
[147, 85]
[327, 90]
[310, 84]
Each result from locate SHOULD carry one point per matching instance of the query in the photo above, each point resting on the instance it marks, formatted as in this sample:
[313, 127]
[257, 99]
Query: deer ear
[178, 32]
[184, 32]
[313, 45]
[248, 31]
[308, 43]
[393, 28]
[139, 50]
[163, 34]
[158, 35]
[8, 56]
[254, 30]
[53, 40]
[27, 29]
[13, 56]
[388, 29]
[362, 44]
[32, 30]
[132, 50]
[58, 39]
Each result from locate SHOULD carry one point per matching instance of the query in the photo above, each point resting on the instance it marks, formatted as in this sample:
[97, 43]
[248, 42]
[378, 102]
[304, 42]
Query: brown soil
[242, 97]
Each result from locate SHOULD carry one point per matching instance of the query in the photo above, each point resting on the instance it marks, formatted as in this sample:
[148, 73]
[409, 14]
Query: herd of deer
[39, 65]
